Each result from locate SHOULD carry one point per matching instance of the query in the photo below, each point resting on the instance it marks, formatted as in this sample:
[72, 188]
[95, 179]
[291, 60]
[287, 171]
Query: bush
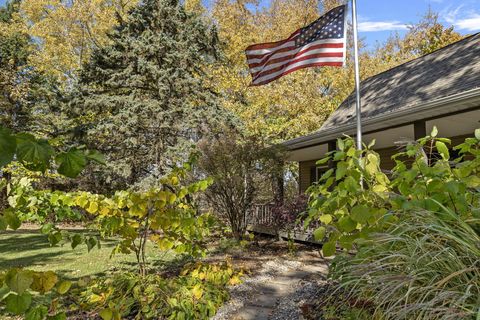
[424, 178]
[412, 236]
[196, 293]
[238, 166]
[286, 215]
[425, 267]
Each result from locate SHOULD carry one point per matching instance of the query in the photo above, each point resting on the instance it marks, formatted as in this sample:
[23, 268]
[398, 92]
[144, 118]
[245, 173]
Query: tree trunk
[278, 183]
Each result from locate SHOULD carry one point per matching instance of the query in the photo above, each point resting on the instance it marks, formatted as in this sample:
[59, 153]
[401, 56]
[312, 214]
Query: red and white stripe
[270, 61]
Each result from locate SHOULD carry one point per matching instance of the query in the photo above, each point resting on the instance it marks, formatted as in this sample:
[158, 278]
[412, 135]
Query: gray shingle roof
[445, 72]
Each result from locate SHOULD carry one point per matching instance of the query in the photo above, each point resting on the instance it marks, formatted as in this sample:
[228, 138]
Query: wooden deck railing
[261, 214]
[261, 219]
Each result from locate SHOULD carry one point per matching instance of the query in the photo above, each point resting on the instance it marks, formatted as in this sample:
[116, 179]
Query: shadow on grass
[24, 248]
[31, 260]
[22, 242]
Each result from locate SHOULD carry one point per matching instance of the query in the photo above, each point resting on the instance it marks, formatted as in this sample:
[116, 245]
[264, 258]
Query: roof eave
[458, 102]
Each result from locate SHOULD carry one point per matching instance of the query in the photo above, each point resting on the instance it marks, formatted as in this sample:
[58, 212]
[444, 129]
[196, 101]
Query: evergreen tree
[145, 97]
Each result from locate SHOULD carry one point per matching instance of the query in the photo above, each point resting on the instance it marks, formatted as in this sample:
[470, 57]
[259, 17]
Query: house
[440, 89]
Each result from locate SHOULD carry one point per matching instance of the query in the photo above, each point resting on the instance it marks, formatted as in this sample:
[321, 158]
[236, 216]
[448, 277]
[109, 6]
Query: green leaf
[371, 144]
[477, 134]
[341, 170]
[18, 303]
[96, 156]
[472, 181]
[76, 240]
[58, 316]
[44, 281]
[46, 228]
[106, 314]
[360, 213]
[339, 155]
[64, 286]
[346, 224]
[37, 313]
[340, 144]
[442, 149]
[8, 145]
[34, 154]
[434, 132]
[91, 243]
[346, 241]
[18, 280]
[204, 184]
[326, 218]
[54, 238]
[71, 163]
[329, 249]
[12, 219]
[164, 244]
[319, 234]
[322, 161]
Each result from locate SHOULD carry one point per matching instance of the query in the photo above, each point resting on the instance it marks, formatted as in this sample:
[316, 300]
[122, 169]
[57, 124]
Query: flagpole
[358, 107]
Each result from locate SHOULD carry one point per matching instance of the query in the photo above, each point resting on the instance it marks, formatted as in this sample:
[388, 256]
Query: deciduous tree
[67, 31]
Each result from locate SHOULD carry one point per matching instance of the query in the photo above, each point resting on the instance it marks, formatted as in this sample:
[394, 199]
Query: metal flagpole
[357, 76]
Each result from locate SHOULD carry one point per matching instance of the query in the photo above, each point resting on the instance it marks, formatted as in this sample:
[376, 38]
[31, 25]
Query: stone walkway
[277, 290]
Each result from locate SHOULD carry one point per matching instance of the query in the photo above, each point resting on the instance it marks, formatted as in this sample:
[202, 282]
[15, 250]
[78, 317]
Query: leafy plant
[165, 215]
[17, 287]
[40, 206]
[38, 155]
[347, 208]
[196, 293]
[415, 234]
[424, 178]
[238, 165]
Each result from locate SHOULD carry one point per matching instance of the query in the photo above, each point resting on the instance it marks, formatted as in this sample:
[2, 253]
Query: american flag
[322, 43]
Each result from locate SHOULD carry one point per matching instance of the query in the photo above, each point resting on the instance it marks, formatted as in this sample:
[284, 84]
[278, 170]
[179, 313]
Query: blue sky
[378, 18]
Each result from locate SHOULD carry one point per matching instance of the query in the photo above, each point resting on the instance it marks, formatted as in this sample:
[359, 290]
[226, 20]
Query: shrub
[424, 178]
[286, 215]
[238, 166]
[196, 293]
[425, 267]
[413, 236]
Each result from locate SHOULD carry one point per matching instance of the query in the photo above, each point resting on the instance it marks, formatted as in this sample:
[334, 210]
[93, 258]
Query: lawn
[30, 249]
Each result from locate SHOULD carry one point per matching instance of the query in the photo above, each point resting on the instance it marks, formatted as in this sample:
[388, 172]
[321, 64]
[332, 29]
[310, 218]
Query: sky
[378, 18]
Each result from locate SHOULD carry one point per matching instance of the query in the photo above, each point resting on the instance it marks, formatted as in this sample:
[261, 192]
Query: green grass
[30, 249]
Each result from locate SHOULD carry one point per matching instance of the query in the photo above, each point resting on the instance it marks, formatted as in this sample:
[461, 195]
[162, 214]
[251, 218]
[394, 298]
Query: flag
[322, 43]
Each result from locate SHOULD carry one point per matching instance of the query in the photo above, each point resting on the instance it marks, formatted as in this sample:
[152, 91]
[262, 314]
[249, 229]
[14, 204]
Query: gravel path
[276, 291]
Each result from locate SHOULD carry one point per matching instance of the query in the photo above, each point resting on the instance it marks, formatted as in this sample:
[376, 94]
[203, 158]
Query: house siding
[305, 176]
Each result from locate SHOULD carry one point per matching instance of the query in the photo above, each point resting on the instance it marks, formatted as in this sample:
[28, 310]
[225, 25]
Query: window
[319, 171]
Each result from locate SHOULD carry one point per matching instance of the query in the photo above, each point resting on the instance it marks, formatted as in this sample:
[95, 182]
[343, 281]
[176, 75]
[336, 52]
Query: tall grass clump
[426, 266]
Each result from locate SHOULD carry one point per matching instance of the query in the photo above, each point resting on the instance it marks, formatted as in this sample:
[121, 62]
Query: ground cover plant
[412, 235]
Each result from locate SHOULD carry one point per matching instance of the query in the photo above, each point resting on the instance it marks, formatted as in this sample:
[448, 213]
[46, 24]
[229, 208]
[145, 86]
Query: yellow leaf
[92, 208]
[104, 211]
[234, 280]
[197, 291]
